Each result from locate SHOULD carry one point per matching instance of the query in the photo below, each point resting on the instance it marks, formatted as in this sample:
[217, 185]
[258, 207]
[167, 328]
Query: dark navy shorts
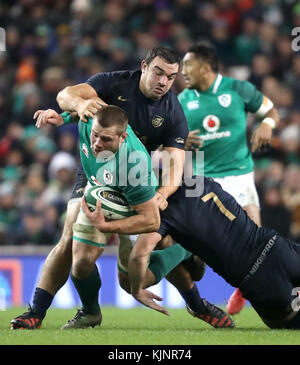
[273, 289]
[80, 183]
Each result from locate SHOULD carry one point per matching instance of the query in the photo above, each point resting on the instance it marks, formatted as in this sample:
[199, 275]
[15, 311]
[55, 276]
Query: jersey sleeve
[67, 118]
[138, 194]
[251, 97]
[163, 228]
[178, 131]
[140, 180]
[102, 82]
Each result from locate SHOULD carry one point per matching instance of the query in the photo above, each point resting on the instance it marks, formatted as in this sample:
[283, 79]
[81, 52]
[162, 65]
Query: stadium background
[52, 44]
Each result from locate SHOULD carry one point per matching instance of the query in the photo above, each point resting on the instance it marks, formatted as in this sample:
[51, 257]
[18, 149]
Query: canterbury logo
[120, 98]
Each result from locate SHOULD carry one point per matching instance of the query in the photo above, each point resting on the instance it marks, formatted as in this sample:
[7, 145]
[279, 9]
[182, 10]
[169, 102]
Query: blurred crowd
[52, 44]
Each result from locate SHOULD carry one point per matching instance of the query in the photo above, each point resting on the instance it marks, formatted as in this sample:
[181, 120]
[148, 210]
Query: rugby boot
[213, 315]
[29, 320]
[236, 302]
[83, 320]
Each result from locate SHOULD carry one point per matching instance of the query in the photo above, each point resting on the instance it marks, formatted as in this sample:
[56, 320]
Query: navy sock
[41, 301]
[193, 299]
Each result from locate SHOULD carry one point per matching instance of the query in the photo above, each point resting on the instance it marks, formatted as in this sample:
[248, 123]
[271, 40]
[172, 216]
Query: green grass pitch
[142, 326]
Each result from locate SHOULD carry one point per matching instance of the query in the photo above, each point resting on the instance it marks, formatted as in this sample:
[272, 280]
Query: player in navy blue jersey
[212, 225]
[157, 118]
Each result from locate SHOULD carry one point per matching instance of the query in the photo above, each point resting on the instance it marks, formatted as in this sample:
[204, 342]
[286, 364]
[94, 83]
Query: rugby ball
[113, 203]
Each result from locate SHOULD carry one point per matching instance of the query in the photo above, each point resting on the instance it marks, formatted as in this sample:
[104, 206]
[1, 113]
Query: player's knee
[124, 281]
[82, 266]
[164, 243]
[61, 253]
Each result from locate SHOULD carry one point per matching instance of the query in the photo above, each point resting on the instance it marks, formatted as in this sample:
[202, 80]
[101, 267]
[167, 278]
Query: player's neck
[207, 82]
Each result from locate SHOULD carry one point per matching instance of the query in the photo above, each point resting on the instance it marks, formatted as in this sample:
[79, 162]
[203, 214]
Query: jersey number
[223, 210]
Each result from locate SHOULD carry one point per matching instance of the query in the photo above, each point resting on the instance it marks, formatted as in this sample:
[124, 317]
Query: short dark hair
[112, 115]
[206, 53]
[166, 53]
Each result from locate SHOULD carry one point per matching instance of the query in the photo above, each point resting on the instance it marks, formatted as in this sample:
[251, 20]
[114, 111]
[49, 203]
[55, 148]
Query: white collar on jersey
[216, 85]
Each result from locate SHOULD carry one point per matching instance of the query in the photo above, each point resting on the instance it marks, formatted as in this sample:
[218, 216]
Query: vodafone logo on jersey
[211, 123]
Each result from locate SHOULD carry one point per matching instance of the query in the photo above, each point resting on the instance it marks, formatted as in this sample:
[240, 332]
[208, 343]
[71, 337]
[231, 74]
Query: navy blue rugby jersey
[216, 228]
[155, 122]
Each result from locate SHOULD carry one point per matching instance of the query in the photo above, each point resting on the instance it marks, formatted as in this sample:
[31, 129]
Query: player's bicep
[265, 107]
[84, 91]
[148, 207]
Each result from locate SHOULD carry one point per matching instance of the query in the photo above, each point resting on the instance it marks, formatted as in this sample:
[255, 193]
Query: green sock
[164, 261]
[88, 290]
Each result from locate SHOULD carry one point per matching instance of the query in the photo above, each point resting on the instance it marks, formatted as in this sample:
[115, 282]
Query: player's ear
[206, 67]
[124, 135]
[143, 66]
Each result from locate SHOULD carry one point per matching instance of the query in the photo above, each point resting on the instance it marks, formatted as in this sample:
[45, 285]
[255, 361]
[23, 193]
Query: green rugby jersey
[129, 170]
[220, 113]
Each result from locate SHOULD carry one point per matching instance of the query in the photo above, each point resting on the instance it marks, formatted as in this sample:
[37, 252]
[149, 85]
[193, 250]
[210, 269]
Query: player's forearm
[273, 114]
[68, 99]
[139, 259]
[172, 166]
[132, 225]
[171, 179]
[137, 267]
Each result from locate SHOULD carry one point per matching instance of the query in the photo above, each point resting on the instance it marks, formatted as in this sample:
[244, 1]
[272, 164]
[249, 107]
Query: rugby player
[212, 225]
[216, 109]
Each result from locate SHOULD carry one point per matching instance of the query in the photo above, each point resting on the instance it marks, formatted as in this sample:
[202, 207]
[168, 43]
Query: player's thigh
[242, 188]
[271, 288]
[88, 242]
[293, 262]
[164, 243]
[253, 212]
[73, 208]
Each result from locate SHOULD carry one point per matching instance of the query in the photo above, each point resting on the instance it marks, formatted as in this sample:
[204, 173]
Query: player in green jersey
[106, 149]
[216, 110]
[106, 145]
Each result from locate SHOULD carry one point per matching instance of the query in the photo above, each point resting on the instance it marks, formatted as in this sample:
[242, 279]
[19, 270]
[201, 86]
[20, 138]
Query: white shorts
[85, 232]
[241, 187]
